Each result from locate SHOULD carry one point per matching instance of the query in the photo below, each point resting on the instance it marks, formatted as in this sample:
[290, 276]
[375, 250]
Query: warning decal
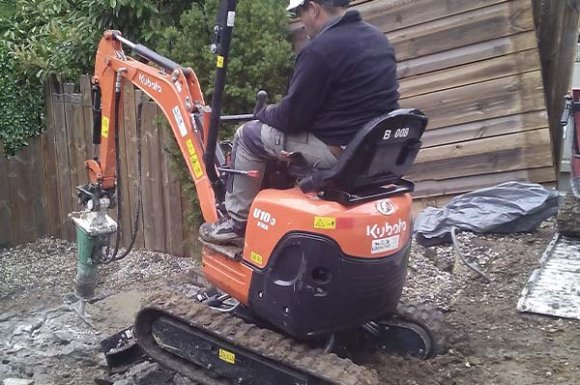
[256, 258]
[226, 356]
[325, 223]
[220, 61]
[105, 127]
[195, 163]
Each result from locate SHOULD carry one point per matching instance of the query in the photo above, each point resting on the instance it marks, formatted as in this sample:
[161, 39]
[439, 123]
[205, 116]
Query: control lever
[261, 99]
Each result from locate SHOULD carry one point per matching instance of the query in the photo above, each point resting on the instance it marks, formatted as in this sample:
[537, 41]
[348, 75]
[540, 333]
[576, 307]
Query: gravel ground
[44, 342]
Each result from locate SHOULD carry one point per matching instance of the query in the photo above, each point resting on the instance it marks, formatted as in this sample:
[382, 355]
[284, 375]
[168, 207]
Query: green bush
[21, 106]
[45, 38]
[59, 37]
[260, 57]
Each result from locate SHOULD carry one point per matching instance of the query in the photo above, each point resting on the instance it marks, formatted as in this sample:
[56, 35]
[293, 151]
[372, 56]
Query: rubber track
[325, 366]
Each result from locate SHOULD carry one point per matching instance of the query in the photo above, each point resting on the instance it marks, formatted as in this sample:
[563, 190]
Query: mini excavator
[325, 256]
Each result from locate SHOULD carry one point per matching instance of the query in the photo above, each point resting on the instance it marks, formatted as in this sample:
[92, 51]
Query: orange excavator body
[309, 265]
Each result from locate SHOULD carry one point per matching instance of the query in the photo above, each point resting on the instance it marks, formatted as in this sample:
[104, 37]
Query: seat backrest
[379, 154]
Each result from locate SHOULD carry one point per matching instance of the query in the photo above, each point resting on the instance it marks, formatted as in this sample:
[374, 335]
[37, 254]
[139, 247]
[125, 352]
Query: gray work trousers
[254, 144]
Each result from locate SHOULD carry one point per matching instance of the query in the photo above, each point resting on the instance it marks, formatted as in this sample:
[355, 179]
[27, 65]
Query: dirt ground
[43, 342]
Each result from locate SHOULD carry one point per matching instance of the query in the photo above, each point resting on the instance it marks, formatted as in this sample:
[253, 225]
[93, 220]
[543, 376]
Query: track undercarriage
[218, 342]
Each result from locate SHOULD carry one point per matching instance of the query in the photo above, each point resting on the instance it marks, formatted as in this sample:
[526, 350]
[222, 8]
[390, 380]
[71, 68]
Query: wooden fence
[473, 66]
[41, 178]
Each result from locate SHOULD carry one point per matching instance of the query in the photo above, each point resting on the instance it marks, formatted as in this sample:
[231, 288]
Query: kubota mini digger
[324, 259]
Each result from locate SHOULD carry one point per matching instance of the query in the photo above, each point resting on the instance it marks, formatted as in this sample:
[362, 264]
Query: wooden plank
[6, 233]
[152, 209]
[530, 149]
[20, 186]
[392, 15]
[72, 134]
[123, 180]
[86, 101]
[468, 54]
[430, 188]
[51, 188]
[62, 159]
[148, 114]
[34, 175]
[171, 196]
[130, 129]
[156, 179]
[494, 68]
[491, 99]
[485, 128]
[80, 144]
[503, 19]
[474, 147]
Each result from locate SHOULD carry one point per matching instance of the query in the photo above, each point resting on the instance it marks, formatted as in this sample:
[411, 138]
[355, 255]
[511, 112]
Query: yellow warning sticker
[105, 127]
[195, 163]
[220, 61]
[256, 258]
[226, 356]
[325, 223]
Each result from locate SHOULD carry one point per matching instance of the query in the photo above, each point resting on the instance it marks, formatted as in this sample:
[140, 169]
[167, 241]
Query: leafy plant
[21, 106]
[260, 57]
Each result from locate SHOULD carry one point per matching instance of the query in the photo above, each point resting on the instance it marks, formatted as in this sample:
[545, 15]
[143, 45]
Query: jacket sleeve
[307, 93]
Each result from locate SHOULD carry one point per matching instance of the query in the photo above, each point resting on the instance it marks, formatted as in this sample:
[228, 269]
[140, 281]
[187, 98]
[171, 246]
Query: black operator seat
[374, 162]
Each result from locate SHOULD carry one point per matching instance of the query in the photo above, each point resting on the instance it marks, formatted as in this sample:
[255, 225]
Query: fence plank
[153, 224]
[491, 99]
[156, 180]
[395, 14]
[21, 188]
[72, 134]
[171, 197]
[87, 103]
[130, 127]
[123, 182]
[468, 54]
[464, 184]
[34, 173]
[485, 128]
[494, 68]
[6, 215]
[50, 189]
[485, 156]
[62, 159]
[489, 23]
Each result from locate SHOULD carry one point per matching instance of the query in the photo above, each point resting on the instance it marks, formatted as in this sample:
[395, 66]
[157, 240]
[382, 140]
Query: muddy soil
[42, 341]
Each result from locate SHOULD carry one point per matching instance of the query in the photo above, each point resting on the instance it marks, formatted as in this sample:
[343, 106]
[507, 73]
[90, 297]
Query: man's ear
[315, 8]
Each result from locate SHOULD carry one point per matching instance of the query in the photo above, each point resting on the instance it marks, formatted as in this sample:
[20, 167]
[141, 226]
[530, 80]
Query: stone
[17, 381]
[22, 329]
[123, 382]
[7, 315]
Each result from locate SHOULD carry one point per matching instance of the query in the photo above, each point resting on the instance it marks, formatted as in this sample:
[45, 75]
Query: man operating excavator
[344, 77]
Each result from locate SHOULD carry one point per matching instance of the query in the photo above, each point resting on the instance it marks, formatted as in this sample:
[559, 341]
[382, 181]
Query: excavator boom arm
[177, 93]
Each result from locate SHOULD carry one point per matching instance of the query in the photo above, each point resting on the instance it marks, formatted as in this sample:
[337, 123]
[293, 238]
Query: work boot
[225, 231]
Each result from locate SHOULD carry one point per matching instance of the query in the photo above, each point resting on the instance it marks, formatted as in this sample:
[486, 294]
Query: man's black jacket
[343, 78]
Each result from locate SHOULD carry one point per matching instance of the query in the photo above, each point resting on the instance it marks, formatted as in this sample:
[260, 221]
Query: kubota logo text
[386, 229]
[149, 83]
